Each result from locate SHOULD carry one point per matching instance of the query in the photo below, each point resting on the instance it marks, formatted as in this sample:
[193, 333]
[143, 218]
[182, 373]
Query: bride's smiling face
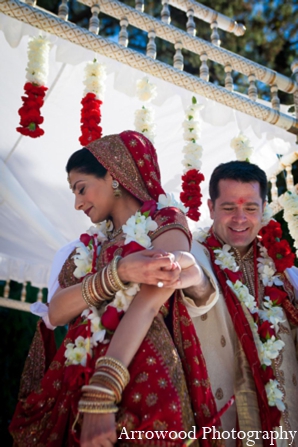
[93, 195]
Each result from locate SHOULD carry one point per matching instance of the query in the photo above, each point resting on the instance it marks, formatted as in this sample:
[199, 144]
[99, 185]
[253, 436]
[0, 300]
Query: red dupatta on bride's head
[131, 159]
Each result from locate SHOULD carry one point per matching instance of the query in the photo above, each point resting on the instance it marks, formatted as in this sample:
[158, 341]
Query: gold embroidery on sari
[34, 368]
[112, 153]
[160, 339]
[66, 277]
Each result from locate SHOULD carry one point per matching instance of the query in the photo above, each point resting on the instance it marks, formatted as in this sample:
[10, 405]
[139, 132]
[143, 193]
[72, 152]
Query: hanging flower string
[144, 117]
[192, 178]
[95, 76]
[35, 90]
[242, 147]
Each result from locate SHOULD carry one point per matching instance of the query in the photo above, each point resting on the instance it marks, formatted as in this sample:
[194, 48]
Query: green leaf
[194, 100]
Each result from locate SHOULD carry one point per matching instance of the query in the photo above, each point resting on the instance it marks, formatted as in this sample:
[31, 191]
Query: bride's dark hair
[84, 161]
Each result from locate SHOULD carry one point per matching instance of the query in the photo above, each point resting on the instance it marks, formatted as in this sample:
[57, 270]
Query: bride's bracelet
[102, 285]
[105, 388]
[113, 274]
[95, 289]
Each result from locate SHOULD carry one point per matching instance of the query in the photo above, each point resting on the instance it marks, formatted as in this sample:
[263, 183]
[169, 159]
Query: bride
[130, 358]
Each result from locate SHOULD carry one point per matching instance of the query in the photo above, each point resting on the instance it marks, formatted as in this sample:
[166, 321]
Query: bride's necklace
[113, 234]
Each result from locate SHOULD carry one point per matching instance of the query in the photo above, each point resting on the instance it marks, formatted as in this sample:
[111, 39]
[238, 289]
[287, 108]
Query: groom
[249, 341]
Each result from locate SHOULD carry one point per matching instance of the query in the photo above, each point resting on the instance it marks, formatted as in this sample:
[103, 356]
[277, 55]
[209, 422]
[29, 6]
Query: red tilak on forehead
[240, 201]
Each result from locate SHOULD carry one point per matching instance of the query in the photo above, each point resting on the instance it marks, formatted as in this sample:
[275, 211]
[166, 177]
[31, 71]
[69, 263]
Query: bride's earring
[117, 190]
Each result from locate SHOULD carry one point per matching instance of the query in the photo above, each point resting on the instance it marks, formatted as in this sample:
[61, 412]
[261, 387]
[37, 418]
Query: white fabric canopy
[36, 205]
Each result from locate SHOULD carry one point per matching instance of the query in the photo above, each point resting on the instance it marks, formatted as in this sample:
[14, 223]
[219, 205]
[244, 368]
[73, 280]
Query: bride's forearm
[136, 322]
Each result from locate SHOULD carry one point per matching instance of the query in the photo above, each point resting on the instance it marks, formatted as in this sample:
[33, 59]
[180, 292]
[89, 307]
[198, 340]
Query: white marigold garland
[38, 60]
[192, 133]
[144, 117]
[289, 202]
[242, 147]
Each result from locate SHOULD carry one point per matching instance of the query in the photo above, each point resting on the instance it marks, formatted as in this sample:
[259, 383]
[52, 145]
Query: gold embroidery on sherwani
[219, 394]
[223, 341]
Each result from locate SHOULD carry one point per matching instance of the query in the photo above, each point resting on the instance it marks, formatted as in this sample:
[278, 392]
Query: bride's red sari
[169, 390]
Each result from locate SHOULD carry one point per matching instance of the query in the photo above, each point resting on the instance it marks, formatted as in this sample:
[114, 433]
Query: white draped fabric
[36, 205]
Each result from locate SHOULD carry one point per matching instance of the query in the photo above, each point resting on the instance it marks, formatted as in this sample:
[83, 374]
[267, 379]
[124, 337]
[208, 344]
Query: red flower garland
[30, 111]
[90, 119]
[191, 193]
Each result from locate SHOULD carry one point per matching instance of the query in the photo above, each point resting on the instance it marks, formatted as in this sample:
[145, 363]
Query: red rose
[255, 317]
[193, 175]
[38, 90]
[34, 133]
[190, 199]
[213, 242]
[276, 295]
[111, 318]
[273, 229]
[267, 374]
[85, 238]
[282, 255]
[233, 276]
[193, 214]
[149, 208]
[265, 330]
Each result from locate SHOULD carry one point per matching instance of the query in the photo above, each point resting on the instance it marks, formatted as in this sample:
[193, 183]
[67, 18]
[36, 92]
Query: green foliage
[17, 331]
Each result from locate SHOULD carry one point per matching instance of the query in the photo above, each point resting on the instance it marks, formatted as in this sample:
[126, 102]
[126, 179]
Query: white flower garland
[242, 147]
[95, 77]
[84, 254]
[145, 117]
[270, 349]
[38, 60]
[267, 215]
[289, 202]
[135, 229]
[169, 200]
[192, 133]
